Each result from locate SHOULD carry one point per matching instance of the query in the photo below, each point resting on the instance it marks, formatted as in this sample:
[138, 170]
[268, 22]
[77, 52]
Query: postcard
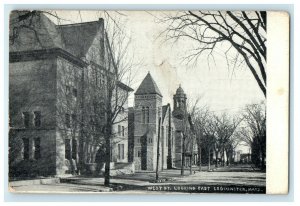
[148, 102]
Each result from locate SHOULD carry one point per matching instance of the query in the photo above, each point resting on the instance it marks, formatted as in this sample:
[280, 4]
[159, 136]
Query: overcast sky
[219, 88]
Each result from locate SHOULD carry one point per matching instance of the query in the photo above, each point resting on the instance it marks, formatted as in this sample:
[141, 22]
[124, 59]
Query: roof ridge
[77, 24]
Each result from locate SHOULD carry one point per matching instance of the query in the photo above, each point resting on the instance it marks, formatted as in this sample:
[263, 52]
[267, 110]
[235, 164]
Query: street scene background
[125, 101]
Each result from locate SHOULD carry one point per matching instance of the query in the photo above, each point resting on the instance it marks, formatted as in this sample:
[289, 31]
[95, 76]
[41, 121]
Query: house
[58, 75]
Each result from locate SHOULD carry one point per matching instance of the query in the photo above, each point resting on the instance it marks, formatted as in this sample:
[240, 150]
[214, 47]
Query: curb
[34, 182]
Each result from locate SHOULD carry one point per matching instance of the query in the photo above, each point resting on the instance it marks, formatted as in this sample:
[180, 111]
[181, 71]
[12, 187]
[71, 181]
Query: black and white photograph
[138, 102]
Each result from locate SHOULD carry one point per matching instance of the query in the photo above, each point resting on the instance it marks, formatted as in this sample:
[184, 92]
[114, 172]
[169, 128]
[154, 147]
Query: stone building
[184, 141]
[145, 116]
[51, 69]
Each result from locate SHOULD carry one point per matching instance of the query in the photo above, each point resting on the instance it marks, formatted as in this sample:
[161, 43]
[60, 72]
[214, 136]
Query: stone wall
[147, 131]
[43, 166]
[32, 87]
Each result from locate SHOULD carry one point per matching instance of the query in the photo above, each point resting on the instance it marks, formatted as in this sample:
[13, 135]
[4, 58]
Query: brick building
[51, 69]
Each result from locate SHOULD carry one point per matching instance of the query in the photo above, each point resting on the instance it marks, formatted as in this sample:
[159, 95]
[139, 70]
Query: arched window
[143, 114]
[147, 115]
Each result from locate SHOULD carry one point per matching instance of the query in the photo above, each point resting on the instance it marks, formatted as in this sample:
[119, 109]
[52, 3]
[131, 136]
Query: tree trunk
[107, 157]
[108, 133]
[199, 158]
[191, 157]
[182, 155]
[209, 158]
[82, 156]
[191, 162]
[227, 158]
[217, 154]
[223, 159]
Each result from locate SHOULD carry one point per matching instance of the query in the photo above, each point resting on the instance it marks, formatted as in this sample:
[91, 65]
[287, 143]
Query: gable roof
[79, 37]
[148, 86]
[164, 111]
[40, 32]
[34, 31]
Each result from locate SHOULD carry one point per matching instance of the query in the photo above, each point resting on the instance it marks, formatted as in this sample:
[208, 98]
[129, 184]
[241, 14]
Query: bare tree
[210, 138]
[254, 134]
[200, 122]
[199, 116]
[243, 34]
[225, 128]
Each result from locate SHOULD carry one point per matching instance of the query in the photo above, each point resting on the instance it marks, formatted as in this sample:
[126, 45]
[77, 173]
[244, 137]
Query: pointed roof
[42, 35]
[148, 86]
[164, 111]
[79, 37]
[74, 38]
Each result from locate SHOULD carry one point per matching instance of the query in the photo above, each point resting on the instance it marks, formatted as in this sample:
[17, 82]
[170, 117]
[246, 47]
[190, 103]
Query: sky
[209, 79]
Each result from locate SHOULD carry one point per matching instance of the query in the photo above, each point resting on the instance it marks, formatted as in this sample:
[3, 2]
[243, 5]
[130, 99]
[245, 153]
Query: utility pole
[158, 139]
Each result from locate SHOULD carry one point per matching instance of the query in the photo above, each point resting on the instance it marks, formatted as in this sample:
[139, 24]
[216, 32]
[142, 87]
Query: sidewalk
[240, 176]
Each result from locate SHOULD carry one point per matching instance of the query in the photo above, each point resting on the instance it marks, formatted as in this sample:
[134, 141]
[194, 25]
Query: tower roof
[148, 86]
[179, 90]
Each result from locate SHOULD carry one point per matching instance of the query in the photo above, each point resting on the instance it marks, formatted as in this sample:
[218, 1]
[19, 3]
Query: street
[239, 176]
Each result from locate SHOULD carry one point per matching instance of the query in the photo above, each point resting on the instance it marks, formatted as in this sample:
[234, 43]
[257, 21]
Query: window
[74, 149]
[139, 153]
[119, 130]
[150, 140]
[67, 119]
[68, 89]
[25, 148]
[121, 151]
[37, 148]
[68, 149]
[138, 140]
[147, 114]
[37, 118]
[26, 119]
[143, 114]
[123, 131]
[74, 92]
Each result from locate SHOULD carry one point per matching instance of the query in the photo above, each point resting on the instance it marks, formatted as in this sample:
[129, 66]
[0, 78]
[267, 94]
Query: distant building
[237, 157]
[50, 68]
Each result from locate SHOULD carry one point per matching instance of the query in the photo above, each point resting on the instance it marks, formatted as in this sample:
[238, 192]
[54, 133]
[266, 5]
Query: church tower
[179, 103]
[147, 110]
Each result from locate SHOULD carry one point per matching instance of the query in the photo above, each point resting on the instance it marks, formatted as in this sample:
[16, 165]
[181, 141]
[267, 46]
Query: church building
[158, 131]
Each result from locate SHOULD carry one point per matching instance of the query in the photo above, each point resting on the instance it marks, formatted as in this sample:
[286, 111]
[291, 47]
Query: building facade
[57, 80]
[158, 131]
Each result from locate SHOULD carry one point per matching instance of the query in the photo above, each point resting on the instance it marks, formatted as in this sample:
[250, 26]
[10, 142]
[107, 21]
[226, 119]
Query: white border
[255, 4]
